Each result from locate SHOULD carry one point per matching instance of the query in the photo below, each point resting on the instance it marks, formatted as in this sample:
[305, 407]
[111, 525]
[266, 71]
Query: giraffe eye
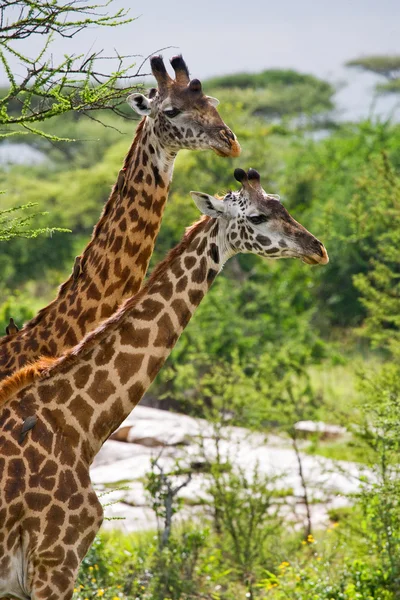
[172, 112]
[258, 219]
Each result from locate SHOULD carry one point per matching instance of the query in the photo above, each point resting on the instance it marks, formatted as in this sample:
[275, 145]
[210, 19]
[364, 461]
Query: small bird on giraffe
[11, 328]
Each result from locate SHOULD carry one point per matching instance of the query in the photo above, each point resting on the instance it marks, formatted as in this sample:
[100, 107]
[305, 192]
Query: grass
[350, 450]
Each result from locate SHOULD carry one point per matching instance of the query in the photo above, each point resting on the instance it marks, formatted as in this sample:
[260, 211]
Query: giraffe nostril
[226, 135]
[323, 254]
[232, 146]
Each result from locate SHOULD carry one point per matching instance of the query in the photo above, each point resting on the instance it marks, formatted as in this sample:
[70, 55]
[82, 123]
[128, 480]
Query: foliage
[385, 66]
[163, 492]
[244, 518]
[47, 88]
[17, 305]
[245, 554]
[338, 187]
[389, 87]
[388, 66]
[318, 577]
[12, 226]
[379, 287]
[379, 497]
[171, 570]
[276, 92]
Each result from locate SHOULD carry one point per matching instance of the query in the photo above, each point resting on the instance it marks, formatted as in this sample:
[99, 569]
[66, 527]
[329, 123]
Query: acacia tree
[384, 66]
[47, 88]
[379, 287]
[14, 224]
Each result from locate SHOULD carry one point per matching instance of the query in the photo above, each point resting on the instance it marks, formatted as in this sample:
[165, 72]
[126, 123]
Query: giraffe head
[182, 114]
[254, 221]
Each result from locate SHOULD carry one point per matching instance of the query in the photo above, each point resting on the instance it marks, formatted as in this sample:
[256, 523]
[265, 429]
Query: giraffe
[56, 414]
[112, 267]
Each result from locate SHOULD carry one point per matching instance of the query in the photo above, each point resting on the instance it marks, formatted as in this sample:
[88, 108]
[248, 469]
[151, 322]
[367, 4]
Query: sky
[226, 36]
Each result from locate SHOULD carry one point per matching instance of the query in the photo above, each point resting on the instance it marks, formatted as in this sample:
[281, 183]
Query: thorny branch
[21, 18]
[77, 83]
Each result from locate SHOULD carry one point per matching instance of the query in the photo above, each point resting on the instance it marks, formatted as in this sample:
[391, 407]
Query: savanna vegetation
[273, 343]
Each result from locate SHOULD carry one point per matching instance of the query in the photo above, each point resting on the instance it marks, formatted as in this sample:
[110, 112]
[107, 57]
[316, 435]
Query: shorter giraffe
[56, 414]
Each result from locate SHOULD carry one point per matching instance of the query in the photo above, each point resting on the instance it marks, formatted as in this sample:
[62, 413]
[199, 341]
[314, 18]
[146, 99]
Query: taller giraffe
[51, 430]
[112, 267]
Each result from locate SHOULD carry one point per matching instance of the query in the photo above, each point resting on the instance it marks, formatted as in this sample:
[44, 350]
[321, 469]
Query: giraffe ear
[213, 101]
[208, 205]
[140, 104]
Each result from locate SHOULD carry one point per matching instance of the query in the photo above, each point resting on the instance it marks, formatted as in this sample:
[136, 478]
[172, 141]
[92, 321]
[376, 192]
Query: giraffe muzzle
[231, 146]
[317, 258]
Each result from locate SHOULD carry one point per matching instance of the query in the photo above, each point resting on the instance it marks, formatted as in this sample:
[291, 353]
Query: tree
[384, 66]
[276, 93]
[47, 88]
[12, 225]
[379, 287]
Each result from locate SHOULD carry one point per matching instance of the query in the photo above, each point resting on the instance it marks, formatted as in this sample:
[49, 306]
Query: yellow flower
[335, 525]
[319, 558]
[75, 590]
[90, 568]
[310, 539]
[116, 598]
[119, 587]
[93, 580]
[284, 565]
[100, 592]
[304, 542]
[270, 586]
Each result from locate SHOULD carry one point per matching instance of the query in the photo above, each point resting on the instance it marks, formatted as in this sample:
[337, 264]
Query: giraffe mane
[19, 380]
[64, 287]
[46, 367]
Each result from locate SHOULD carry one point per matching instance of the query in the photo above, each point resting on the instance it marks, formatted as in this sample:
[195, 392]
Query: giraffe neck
[98, 384]
[113, 264]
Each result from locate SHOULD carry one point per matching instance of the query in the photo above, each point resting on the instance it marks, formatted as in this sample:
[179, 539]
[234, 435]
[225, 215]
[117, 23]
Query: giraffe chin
[233, 152]
[311, 260]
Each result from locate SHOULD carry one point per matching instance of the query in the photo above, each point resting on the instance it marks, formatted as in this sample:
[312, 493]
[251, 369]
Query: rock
[127, 469]
[324, 431]
[170, 437]
[153, 427]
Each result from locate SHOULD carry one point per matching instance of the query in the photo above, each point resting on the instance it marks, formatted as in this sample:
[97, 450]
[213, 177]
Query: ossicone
[195, 85]
[159, 71]
[181, 71]
[254, 179]
[240, 175]
[252, 174]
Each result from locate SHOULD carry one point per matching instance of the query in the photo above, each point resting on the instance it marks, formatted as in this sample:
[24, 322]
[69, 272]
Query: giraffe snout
[229, 139]
[324, 255]
[318, 256]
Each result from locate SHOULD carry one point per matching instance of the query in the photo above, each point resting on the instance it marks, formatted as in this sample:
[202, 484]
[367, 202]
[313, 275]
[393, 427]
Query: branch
[76, 83]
